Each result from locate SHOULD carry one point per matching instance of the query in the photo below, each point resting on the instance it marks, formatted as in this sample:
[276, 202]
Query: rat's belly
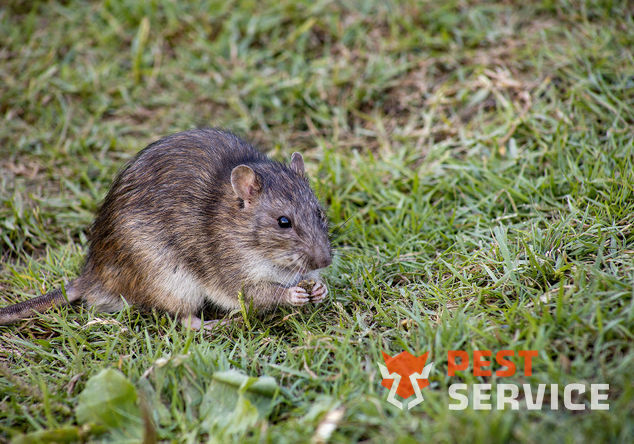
[181, 290]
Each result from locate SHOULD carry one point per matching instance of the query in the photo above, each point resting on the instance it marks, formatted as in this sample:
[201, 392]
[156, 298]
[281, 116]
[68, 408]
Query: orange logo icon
[410, 368]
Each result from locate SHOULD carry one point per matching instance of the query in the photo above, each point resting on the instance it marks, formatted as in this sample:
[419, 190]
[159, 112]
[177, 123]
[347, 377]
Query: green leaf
[234, 402]
[110, 400]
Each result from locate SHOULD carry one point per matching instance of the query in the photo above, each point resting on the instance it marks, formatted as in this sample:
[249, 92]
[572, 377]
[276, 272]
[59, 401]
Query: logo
[405, 374]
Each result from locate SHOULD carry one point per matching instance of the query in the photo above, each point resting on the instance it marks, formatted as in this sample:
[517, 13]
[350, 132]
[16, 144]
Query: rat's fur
[193, 218]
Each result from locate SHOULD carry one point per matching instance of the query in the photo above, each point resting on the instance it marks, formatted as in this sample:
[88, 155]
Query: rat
[200, 217]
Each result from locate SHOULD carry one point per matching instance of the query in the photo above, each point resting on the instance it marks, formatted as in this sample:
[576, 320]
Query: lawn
[477, 162]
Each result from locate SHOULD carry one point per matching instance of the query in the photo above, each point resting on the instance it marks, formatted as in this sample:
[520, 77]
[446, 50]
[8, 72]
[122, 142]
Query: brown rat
[196, 217]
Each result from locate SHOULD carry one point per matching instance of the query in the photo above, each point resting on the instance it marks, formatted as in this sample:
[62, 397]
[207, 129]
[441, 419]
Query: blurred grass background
[480, 152]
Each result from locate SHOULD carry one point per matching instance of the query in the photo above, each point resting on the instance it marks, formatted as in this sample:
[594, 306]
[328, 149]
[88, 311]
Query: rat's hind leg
[95, 295]
[104, 302]
[195, 323]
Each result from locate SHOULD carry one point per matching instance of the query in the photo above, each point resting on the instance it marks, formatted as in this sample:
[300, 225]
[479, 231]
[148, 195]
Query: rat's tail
[21, 310]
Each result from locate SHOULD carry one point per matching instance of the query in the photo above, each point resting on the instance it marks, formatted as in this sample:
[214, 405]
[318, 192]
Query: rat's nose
[322, 259]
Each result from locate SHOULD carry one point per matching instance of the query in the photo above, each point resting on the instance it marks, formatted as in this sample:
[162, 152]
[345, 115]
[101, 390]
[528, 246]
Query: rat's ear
[245, 183]
[297, 163]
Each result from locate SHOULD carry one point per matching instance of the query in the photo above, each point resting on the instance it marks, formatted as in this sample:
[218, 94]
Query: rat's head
[287, 226]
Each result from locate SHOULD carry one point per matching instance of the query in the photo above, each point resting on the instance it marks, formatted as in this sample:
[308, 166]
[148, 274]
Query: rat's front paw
[319, 292]
[297, 296]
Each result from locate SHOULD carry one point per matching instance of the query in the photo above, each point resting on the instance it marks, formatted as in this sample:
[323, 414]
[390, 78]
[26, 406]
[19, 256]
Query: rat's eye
[284, 222]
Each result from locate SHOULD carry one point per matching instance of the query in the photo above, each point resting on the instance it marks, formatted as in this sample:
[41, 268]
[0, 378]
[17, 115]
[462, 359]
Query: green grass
[481, 153]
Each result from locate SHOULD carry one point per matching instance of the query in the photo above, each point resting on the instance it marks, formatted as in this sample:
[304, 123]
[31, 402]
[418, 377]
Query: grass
[480, 154]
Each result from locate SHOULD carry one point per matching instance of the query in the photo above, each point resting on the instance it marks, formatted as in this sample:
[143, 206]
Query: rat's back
[175, 165]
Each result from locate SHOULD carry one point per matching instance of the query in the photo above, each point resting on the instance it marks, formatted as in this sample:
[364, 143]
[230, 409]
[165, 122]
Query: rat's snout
[321, 258]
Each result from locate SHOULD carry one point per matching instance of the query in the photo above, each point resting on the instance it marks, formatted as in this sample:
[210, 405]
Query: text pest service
[405, 375]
